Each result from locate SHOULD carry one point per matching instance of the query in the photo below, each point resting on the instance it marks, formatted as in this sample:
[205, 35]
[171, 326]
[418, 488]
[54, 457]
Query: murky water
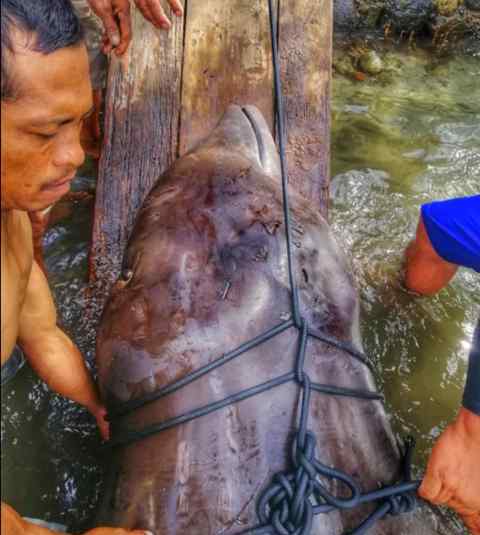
[397, 143]
[410, 137]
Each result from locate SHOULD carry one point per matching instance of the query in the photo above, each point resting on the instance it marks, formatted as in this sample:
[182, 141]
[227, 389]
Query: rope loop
[288, 503]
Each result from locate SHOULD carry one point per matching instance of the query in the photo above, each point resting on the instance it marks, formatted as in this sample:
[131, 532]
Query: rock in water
[371, 63]
[473, 5]
[409, 15]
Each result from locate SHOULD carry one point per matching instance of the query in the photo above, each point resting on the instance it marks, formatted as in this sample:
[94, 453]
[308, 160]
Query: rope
[292, 500]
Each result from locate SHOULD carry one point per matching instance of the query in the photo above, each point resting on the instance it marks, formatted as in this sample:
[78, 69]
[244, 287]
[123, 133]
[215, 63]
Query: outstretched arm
[50, 351]
[453, 471]
[426, 272]
[14, 524]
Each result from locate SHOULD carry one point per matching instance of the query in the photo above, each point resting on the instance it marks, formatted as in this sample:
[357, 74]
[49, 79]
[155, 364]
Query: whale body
[204, 272]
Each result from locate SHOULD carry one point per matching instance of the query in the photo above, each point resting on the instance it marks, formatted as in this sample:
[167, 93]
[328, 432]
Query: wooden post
[227, 61]
[141, 136]
[305, 35]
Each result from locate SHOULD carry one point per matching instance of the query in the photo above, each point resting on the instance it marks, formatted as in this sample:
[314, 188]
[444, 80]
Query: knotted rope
[289, 505]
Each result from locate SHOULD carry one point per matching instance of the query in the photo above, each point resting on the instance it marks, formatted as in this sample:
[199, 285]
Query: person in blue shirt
[448, 236]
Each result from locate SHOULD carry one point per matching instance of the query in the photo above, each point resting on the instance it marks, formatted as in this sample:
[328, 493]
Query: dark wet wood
[227, 61]
[141, 136]
[305, 35]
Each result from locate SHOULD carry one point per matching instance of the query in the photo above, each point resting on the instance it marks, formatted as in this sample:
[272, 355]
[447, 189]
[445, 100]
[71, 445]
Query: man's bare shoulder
[17, 244]
[16, 265]
[16, 223]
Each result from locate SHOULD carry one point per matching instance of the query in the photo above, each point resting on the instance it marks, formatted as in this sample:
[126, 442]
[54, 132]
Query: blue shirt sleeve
[453, 227]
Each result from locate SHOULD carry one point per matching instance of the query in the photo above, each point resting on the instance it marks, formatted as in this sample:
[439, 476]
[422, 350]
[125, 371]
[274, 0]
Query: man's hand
[152, 10]
[453, 471]
[115, 15]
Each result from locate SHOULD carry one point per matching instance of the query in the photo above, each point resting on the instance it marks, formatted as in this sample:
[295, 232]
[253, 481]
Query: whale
[204, 272]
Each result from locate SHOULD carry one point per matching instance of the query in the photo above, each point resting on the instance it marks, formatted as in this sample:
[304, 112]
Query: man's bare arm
[426, 272]
[50, 351]
[14, 524]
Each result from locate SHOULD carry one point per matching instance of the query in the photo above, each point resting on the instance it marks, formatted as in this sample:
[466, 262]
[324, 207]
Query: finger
[461, 508]
[177, 7]
[430, 488]
[111, 27]
[124, 19]
[104, 430]
[472, 522]
[106, 45]
[444, 496]
[159, 18]
[102, 423]
[145, 10]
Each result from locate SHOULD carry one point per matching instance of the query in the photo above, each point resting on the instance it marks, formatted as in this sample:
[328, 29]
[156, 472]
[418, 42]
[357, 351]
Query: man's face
[41, 129]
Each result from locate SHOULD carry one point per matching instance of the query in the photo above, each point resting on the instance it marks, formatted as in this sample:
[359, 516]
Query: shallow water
[408, 138]
[397, 143]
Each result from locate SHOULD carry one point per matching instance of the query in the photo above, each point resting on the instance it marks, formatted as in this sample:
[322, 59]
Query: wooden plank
[141, 136]
[305, 47]
[227, 61]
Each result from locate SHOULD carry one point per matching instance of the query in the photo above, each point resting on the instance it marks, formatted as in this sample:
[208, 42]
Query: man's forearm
[471, 396]
[14, 524]
[58, 362]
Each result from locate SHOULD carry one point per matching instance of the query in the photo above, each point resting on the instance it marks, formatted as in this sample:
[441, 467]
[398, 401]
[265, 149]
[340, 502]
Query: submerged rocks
[344, 65]
[357, 61]
[371, 63]
[473, 5]
[447, 24]
[344, 15]
[446, 8]
[409, 15]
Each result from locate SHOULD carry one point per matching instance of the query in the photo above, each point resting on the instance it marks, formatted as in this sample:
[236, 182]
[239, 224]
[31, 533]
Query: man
[448, 236]
[112, 19]
[46, 96]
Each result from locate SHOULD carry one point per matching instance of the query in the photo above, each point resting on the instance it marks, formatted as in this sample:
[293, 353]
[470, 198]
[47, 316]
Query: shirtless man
[448, 236]
[46, 96]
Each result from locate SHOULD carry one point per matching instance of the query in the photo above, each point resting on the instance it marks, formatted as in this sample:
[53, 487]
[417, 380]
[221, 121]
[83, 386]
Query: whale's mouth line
[258, 136]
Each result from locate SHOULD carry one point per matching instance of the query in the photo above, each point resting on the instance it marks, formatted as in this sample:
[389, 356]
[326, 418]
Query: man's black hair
[49, 26]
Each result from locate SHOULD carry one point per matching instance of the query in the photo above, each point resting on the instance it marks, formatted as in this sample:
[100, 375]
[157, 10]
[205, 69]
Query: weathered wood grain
[305, 47]
[227, 61]
[164, 82]
[141, 136]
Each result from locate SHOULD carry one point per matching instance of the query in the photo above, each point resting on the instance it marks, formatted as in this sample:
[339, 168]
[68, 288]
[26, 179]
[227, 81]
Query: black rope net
[292, 500]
